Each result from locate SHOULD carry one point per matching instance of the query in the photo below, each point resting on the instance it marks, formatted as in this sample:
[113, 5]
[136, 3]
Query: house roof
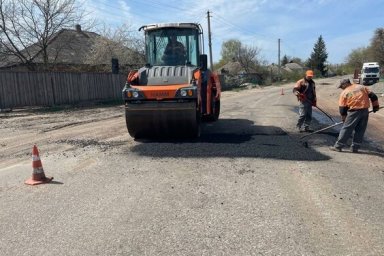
[293, 66]
[232, 67]
[68, 46]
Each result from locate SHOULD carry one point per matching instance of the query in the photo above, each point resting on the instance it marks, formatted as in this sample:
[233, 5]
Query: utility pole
[279, 65]
[209, 40]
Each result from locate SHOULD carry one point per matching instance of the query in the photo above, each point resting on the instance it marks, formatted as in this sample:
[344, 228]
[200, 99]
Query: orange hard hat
[309, 73]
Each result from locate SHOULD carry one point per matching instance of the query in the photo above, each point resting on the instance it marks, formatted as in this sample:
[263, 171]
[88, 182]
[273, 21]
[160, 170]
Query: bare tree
[28, 26]
[121, 43]
[248, 57]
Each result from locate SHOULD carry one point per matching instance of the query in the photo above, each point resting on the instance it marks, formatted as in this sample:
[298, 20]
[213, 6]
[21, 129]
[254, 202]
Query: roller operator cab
[174, 91]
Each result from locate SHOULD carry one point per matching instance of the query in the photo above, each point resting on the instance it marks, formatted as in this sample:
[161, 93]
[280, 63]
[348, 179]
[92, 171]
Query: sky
[345, 25]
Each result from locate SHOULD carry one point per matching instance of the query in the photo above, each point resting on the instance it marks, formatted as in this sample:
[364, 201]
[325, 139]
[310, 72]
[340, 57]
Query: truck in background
[370, 73]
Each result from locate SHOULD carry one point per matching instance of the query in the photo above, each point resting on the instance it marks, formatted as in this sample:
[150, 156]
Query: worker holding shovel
[354, 102]
[305, 91]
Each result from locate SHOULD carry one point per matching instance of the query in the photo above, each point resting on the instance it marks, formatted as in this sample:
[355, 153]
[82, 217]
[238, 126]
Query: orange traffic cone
[282, 91]
[38, 176]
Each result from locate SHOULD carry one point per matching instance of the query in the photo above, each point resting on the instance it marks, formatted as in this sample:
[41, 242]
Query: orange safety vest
[302, 87]
[354, 97]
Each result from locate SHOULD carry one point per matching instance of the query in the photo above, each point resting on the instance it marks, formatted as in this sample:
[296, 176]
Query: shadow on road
[328, 138]
[232, 138]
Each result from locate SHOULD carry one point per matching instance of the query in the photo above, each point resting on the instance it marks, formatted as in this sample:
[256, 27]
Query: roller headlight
[135, 94]
[186, 92]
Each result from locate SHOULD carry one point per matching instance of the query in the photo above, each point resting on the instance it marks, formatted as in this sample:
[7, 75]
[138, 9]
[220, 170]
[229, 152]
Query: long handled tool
[325, 113]
[323, 129]
[328, 127]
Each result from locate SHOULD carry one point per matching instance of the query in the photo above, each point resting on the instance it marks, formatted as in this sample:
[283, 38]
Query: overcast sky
[344, 24]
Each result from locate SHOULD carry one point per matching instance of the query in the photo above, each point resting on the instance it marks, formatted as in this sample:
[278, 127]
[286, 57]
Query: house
[293, 67]
[233, 75]
[231, 68]
[68, 50]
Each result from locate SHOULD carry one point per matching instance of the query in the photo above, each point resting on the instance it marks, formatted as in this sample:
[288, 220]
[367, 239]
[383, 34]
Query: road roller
[175, 91]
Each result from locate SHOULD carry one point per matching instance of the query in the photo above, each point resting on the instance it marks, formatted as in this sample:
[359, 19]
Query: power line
[246, 31]
[167, 7]
[239, 28]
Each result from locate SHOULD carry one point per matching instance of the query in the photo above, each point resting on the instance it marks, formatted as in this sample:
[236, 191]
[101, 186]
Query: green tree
[288, 59]
[234, 51]
[318, 57]
[357, 57]
[285, 60]
[376, 49]
[230, 50]
[297, 60]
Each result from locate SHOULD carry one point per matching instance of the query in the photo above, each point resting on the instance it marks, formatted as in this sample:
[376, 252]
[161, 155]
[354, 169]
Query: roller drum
[162, 119]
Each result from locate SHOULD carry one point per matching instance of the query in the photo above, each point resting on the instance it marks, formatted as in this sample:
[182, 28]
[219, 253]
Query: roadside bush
[292, 76]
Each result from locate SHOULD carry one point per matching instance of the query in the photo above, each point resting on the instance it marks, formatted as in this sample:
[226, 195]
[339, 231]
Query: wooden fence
[20, 89]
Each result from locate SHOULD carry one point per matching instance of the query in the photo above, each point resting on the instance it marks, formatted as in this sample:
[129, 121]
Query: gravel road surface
[248, 186]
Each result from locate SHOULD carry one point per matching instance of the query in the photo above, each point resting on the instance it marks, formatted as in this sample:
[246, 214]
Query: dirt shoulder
[60, 131]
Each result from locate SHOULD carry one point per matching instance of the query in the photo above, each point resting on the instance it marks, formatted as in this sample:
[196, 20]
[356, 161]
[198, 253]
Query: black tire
[215, 109]
[131, 132]
[197, 129]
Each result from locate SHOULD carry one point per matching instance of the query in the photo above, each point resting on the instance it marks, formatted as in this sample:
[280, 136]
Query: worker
[305, 91]
[354, 102]
[174, 53]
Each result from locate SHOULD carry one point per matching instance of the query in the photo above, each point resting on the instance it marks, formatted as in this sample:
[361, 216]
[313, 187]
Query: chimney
[78, 28]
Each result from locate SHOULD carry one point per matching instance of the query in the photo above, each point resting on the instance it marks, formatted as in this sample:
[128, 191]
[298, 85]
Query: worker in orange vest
[305, 91]
[354, 102]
